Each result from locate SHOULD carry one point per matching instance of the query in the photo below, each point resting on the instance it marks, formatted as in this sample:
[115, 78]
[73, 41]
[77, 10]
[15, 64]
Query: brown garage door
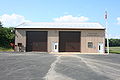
[69, 41]
[36, 41]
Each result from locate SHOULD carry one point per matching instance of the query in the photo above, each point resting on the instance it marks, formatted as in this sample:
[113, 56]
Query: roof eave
[67, 28]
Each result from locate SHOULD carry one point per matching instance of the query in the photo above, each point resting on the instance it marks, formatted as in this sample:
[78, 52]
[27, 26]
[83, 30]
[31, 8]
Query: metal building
[60, 37]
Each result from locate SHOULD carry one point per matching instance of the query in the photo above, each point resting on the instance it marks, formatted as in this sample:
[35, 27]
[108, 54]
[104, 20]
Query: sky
[15, 12]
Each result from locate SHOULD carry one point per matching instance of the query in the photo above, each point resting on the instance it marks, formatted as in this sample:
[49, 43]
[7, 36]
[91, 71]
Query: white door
[55, 47]
[100, 47]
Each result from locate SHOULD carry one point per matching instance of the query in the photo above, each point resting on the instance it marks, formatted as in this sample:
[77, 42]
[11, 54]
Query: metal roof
[56, 25]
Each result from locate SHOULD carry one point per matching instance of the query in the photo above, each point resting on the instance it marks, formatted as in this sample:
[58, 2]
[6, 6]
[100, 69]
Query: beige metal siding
[20, 37]
[94, 36]
[52, 38]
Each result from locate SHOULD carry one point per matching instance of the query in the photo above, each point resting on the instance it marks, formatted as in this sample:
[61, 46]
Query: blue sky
[17, 11]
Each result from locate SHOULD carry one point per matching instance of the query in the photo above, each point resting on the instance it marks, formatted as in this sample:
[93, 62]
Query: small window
[55, 46]
[90, 44]
[19, 44]
[99, 47]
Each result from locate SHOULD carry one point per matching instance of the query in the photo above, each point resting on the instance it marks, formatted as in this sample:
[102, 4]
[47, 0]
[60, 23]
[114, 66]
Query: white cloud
[118, 20]
[114, 36]
[70, 18]
[12, 20]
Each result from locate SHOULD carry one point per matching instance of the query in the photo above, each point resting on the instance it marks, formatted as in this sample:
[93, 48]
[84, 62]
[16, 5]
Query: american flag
[106, 15]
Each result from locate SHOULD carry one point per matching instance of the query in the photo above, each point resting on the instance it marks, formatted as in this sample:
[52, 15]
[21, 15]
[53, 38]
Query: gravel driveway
[44, 66]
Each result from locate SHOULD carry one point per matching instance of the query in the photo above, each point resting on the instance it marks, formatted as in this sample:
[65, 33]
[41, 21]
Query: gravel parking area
[44, 66]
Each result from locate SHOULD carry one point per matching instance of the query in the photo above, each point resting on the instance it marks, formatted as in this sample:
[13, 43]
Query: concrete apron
[75, 53]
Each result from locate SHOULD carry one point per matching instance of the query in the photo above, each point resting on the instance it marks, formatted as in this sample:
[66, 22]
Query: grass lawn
[114, 49]
[6, 49]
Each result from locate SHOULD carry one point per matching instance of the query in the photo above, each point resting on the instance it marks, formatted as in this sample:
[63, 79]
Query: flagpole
[107, 35]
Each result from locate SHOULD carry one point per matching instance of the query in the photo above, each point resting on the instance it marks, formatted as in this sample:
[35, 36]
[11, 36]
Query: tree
[6, 37]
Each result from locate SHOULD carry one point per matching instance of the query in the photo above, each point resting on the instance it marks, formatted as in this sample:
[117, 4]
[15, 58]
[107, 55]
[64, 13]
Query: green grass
[6, 49]
[115, 50]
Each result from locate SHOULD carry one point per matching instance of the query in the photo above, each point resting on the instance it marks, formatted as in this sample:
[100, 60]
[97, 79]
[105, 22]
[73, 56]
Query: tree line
[113, 42]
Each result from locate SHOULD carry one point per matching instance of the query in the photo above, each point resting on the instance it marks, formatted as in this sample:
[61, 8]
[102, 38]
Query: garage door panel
[69, 41]
[36, 41]
[39, 46]
[72, 47]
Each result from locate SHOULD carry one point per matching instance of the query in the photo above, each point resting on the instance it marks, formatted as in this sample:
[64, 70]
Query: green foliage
[6, 37]
[113, 42]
